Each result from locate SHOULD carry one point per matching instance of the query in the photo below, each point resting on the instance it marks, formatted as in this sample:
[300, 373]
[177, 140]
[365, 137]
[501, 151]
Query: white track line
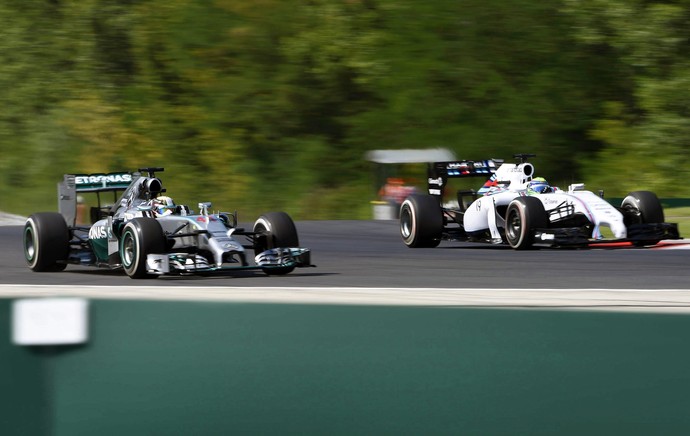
[647, 300]
[8, 219]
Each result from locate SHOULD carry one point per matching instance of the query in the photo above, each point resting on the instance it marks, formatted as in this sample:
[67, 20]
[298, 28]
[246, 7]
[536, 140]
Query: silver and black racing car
[144, 233]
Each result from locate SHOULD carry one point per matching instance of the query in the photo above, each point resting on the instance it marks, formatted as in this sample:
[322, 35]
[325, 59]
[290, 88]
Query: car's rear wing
[73, 184]
[440, 172]
[101, 182]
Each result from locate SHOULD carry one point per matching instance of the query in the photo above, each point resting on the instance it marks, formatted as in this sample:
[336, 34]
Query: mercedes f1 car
[513, 207]
[148, 237]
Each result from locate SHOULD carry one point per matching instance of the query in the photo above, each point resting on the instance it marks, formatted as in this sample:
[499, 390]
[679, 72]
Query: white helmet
[163, 206]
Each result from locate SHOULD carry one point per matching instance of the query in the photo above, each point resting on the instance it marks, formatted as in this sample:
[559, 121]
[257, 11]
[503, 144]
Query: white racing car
[513, 207]
[147, 235]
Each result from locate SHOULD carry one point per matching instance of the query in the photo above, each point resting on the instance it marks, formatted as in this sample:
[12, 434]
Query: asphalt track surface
[365, 262]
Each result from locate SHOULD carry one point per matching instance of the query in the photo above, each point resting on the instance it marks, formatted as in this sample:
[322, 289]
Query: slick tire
[523, 216]
[421, 221]
[642, 207]
[275, 230]
[140, 237]
[46, 242]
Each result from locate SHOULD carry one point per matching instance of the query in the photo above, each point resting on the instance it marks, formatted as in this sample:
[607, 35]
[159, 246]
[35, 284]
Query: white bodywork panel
[511, 182]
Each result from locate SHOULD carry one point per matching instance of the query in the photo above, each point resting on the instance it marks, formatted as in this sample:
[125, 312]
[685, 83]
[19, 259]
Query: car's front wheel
[140, 237]
[421, 221]
[642, 207]
[275, 230]
[523, 216]
[46, 242]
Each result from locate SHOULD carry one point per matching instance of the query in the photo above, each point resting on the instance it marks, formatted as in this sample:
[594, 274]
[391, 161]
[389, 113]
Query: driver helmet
[163, 206]
[538, 185]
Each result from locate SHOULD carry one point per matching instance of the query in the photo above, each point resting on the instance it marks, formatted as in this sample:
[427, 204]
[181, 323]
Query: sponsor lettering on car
[98, 232]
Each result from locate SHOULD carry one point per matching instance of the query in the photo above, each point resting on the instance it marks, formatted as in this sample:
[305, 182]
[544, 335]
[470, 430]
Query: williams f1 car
[513, 207]
[147, 235]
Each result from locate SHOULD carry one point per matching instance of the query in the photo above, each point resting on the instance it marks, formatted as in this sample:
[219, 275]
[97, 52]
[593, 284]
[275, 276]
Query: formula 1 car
[523, 211]
[148, 237]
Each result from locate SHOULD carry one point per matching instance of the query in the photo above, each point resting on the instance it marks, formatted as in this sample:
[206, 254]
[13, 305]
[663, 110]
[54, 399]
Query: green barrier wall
[24, 397]
[667, 203]
[181, 368]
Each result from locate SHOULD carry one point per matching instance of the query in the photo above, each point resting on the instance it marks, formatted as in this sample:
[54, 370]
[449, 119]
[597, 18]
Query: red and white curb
[671, 244]
[681, 244]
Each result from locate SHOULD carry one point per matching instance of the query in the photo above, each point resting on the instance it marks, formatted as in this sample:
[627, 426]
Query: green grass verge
[680, 215]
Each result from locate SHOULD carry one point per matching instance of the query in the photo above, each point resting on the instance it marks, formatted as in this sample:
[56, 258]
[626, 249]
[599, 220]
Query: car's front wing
[187, 264]
[580, 236]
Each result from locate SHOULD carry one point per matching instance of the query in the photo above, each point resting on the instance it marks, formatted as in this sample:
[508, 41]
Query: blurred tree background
[272, 104]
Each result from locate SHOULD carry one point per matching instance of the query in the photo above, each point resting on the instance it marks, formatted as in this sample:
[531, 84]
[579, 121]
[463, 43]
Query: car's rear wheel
[275, 230]
[523, 216]
[140, 237]
[421, 221]
[642, 207]
[46, 242]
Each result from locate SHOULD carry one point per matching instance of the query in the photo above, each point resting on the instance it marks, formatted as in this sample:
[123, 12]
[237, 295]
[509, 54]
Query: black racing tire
[523, 216]
[275, 230]
[642, 207]
[46, 242]
[140, 237]
[421, 221]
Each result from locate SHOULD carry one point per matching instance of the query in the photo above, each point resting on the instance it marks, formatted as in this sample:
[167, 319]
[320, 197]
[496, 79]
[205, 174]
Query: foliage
[645, 130]
[272, 104]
